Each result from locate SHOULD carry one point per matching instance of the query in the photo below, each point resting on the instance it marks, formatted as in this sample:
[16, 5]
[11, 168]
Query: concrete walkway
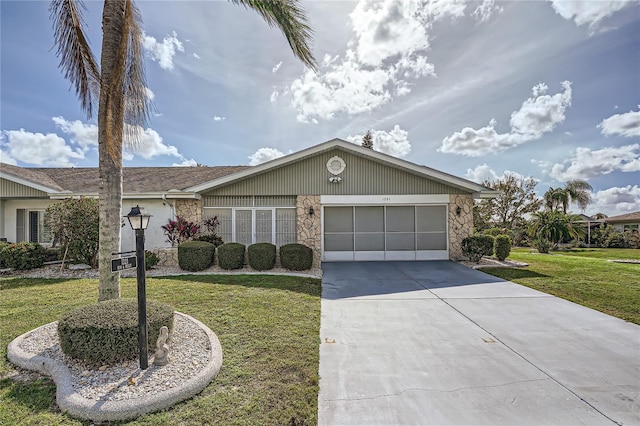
[420, 343]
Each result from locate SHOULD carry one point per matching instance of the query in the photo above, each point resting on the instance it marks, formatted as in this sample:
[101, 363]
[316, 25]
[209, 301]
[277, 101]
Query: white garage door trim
[386, 201]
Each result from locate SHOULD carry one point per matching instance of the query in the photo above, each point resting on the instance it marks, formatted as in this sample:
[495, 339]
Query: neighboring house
[624, 222]
[344, 201]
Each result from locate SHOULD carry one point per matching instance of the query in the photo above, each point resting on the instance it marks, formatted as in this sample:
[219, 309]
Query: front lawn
[268, 327]
[584, 276]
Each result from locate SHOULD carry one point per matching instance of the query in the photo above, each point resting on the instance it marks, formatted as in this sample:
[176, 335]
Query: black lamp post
[139, 220]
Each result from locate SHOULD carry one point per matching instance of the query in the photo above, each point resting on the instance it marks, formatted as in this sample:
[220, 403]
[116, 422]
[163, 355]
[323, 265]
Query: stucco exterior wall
[9, 214]
[308, 227]
[460, 226]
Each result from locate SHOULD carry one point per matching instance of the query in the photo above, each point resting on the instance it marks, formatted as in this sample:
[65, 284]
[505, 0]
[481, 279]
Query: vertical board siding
[9, 189]
[361, 176]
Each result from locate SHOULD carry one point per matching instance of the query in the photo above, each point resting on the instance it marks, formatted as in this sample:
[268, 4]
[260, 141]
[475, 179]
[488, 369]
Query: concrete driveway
[420, 343]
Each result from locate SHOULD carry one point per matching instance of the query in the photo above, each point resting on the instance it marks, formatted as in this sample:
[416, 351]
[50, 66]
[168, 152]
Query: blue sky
[548, 89]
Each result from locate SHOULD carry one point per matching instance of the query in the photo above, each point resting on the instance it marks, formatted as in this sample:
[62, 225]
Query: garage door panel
[432, 241]
[370, 242]
[369, 219]
[338, 219]
[401, 241]
[338, 242]
[400, 219]
[431, 219]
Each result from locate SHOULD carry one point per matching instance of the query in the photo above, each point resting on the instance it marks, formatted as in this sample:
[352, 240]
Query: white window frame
[253, 220]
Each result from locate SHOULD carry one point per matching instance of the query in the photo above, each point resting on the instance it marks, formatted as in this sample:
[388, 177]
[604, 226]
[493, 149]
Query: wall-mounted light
[311, 212]
[458, 211]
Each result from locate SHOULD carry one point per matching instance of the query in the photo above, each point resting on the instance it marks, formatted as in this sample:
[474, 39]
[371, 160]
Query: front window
[38, 231]
[248, 225]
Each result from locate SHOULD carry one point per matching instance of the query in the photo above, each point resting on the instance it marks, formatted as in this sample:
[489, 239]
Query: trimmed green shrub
[487, 242]
[542, 245]
[494, 232]
[23, 255]
[195, 255]
[476, 246]
[75, 225]
[3, 245]
[502, 246]
[615, 240]
[262, 256]
[231, 256]
[107, 332]
[296, 257]
[150, 259]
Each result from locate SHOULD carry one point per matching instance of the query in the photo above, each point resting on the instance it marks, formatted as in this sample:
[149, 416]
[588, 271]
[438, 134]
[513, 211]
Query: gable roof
[426, 172]
[627, 217]
[63, 182]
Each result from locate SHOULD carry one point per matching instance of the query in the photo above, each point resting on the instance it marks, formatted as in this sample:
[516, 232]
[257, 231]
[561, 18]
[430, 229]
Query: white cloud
[39, 149]
[274, 96]
[387, 51]
[616, 200]
[486, 9]
[483, 172]
[276, 67]
[627, 124]
[163, 52]
[218, 118]
[263, 155]
[149, 93]
[150, 145]
[195, 55]
[588, 11]
[539, 114]
[395, 142]
[85, 135]
[587, 163]
[186, 163]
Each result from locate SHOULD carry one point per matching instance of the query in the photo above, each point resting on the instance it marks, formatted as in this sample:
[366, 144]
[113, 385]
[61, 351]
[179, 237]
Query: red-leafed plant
[180, 230]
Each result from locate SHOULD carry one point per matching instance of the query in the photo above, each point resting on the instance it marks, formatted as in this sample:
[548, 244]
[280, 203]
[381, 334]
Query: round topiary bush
[231, 256]
[23, 255]
[107, 332]
[262, 256]
[296, 257]
[195, 255]
[502, 246]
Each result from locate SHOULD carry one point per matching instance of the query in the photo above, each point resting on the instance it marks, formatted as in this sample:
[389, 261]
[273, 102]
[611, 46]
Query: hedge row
[199, 255]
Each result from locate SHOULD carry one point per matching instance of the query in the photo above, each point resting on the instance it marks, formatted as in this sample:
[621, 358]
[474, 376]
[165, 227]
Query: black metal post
[142, 300]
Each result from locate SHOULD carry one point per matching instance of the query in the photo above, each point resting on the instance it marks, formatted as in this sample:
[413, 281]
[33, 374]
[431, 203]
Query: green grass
[268, 327]
[583, 276]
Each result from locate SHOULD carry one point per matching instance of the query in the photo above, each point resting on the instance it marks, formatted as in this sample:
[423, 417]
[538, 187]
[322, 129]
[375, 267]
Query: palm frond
[291, 20]
[76, 59]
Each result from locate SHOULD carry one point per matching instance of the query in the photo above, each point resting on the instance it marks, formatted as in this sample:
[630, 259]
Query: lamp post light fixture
[139, 220]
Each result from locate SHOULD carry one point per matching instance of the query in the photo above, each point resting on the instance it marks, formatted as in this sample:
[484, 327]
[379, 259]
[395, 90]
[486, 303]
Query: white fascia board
[29, 183]
[348, 146]
[384, 199]
[131, 195]
[483, 195]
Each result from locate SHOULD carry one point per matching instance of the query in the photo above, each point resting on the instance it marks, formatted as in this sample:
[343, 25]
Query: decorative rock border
[102, 411]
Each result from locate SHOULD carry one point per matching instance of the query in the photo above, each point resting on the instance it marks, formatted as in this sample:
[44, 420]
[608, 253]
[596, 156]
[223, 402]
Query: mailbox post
[139, 220]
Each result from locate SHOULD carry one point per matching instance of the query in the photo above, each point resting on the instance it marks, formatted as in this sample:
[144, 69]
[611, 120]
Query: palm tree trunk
[110, 126]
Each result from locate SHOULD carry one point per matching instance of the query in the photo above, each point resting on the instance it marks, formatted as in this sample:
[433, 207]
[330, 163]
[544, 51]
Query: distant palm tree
[119, 85]
[552, 226]
[575, 191]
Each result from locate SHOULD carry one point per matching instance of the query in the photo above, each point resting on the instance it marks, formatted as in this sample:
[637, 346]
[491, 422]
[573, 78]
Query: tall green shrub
[195, 255]
[231, 256]
[23, 255]
[262, 256]
[502, 246]
[476, 246]
[74, 224]
[296, 257]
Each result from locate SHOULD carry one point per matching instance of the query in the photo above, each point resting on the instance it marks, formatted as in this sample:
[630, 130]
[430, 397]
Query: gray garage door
[385, 233]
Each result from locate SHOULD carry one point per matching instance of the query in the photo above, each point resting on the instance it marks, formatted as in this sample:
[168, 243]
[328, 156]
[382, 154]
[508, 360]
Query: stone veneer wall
[308, 227]
[459, 226]
[167, 256]
[190, 210]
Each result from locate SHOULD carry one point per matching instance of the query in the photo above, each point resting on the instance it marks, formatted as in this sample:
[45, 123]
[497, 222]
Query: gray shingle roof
[135, 179]
[627, 217]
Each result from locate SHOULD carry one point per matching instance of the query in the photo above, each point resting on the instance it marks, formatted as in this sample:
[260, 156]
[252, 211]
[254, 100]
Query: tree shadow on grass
[514, 273]
[306, 285]
[18, 282]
